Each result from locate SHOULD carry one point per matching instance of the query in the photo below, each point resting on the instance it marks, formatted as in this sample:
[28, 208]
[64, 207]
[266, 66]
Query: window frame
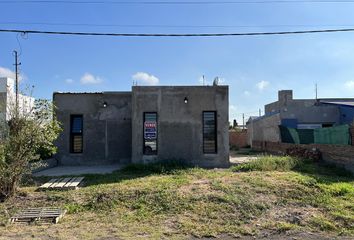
[215, 132]
[72, 135]
[157, 136]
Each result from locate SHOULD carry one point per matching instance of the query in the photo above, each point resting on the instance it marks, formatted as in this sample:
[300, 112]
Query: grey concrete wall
[180, 133]
[106, 131]
[305, 110]
[264, 129]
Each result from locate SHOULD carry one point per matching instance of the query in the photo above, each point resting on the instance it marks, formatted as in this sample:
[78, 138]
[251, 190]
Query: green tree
[26, 137]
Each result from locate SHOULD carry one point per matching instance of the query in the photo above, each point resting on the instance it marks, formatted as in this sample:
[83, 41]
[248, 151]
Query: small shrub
[24, 136]
[268, 163]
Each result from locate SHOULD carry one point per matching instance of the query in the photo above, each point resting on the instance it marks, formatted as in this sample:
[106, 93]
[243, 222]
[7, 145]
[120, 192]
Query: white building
[8, 99]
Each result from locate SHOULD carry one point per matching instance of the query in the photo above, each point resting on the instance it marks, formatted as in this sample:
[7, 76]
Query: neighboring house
[8, 99]
[299, 114]
[345, 106]
[188, 123]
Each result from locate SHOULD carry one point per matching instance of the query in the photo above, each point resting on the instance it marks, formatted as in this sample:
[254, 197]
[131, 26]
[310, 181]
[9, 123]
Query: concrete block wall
[180, 124]
[264, 129]
[238, 138]
[106, 130]
[341, 155]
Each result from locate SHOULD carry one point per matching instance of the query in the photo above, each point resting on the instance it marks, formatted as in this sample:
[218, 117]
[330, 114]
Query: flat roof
[125, 92]
[105, 92]
[336, 102]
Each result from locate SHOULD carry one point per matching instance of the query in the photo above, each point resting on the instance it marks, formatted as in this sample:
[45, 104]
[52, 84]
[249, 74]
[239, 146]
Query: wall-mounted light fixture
[185, 100]
[104, 104]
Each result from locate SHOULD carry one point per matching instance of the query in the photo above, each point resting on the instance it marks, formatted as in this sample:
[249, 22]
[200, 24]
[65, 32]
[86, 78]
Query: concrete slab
[78, 170]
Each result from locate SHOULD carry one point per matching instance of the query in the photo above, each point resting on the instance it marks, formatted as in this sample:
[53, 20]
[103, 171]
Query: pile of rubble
[311, 154]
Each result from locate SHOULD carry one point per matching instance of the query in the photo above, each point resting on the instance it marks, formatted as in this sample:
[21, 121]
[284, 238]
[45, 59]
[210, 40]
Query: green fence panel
[306, 136]
[333, 135]
[289, 135]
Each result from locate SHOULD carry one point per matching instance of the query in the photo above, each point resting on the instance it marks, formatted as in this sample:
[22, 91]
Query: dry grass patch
[184, 203]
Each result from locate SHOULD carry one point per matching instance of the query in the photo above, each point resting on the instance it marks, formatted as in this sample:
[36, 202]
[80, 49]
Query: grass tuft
[268, 163]
[161, 167]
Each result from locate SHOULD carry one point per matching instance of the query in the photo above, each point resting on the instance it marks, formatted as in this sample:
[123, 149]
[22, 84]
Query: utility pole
[243, 121]
[260, 112]
[16, 81]
[316, 91]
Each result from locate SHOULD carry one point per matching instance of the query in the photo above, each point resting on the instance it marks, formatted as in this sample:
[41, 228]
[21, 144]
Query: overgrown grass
[169, 200]
[268, 163]
[161, 167]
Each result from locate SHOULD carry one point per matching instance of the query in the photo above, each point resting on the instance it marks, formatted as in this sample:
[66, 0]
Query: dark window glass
[76, 131]
[209, 132]
[150, 134]
[76, 126]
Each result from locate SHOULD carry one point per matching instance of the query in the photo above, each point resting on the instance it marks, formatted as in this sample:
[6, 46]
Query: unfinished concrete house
[188, 123]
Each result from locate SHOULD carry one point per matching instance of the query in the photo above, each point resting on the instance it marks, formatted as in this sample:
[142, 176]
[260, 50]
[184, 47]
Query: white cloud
[69, 80]
[262, 85]
[88, 78]
[246, 93]
[145, 78]
[349, 84]
[5, 72]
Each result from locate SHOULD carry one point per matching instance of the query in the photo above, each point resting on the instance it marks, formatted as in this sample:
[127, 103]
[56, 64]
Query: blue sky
[255, 68]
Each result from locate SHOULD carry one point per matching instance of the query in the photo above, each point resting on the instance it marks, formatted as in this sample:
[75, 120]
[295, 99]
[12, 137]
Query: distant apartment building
[299, 114]
[8, 99]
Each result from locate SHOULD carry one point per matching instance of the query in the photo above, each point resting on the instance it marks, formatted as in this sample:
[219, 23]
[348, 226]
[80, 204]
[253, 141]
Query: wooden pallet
[62, 183]
[38, 216]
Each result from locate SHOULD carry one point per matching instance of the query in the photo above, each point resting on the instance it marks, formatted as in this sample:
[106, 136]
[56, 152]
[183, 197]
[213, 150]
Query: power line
[173, 2]
[170, 26]
[176, 34]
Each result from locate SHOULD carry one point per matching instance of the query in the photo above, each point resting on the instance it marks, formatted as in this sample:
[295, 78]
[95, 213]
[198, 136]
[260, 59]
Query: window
[150, 133]
[209, 132]
[76, 129]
